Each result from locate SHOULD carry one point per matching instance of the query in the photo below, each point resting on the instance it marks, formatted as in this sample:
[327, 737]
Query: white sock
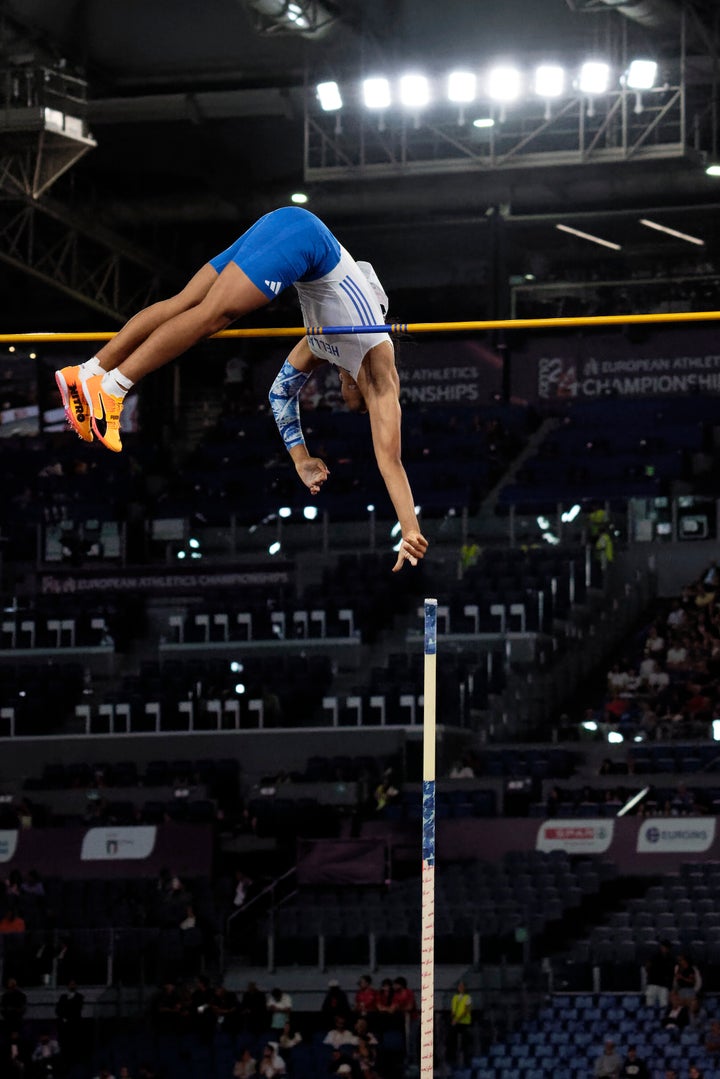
[91, 367]
[116, 384]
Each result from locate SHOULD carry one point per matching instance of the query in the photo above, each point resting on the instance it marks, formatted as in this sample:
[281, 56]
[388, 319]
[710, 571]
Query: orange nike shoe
[69, 382]
[104, 413]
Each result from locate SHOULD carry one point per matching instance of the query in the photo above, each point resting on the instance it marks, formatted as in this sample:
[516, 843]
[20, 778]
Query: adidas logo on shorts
[274, 286]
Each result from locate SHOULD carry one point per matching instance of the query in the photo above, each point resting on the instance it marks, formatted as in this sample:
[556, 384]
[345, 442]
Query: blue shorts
[285, 246]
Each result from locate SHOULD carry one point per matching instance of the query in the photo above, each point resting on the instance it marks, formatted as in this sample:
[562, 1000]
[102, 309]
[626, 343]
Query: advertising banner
[661, 362]
[575, 836]
[682, 835]
[118, 844]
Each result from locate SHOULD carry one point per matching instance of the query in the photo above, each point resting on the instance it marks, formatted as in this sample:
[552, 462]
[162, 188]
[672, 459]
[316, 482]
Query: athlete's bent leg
[230, 296]
[141, 325]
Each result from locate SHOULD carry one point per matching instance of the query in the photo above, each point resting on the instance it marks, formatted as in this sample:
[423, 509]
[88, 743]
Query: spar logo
[575, 836]
[687, 836]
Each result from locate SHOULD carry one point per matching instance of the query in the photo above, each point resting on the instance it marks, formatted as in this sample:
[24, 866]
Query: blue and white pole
[427, 962]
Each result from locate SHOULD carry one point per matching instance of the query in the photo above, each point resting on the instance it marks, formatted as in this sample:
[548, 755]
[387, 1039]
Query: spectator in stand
[660, 973]
[694, 1072]
[609, 1063]
[676, 618]
[13, 1005]
[14, 1056]
[245, 1066]
[461, 1024]
[201, 1009]
[365, 997]
[678, 654]
[339, 1036]
[654, 643]
[712, 1039]
[404, 1003]
[68, 1012]
[335, 1003]
[279, 1005]
[676, 1016]
[45, 1056]
[271, 1063]
[168, 1013]
[12, 922]
[687, 981]
[287, 1041]
[227, 1010]
[633, 1067]
[253, 1009]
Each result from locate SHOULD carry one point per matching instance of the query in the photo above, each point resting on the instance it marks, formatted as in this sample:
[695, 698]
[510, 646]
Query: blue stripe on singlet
[358, 301]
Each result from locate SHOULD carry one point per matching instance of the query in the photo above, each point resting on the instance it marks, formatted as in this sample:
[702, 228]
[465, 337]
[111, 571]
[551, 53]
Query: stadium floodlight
[672, 232]
[589, 725]
[329, 96]
[240, 688]
[570, 514]
[294, 14]
[237, 667]
[310, 513]
[284, 511]
[712, 170]
[589, 236]
[716, 730]
[461, 87]
[615, 738]
[274, 548]
[641, 75]
[594, 77]
[376, 93]
[504, 84]
[299, 198]
[414, 91]
[549, 80]
[484, 121]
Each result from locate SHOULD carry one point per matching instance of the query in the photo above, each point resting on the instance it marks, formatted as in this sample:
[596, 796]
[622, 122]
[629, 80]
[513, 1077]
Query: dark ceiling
[197, 110]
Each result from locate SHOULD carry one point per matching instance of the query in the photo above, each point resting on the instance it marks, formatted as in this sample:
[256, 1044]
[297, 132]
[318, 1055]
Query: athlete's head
[352, 395]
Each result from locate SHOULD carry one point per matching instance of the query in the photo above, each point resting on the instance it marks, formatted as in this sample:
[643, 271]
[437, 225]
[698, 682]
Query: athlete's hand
[412, 549]
[313, 472]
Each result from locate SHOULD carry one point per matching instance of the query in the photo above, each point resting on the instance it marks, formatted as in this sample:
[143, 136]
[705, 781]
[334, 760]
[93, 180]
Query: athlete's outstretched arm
[379, 384]
[285, 404]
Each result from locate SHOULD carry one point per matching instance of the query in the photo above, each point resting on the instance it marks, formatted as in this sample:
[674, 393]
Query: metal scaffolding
[617, 126]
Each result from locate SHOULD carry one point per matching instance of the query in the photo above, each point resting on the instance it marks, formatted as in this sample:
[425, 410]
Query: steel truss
[619, 126]
[86, 265]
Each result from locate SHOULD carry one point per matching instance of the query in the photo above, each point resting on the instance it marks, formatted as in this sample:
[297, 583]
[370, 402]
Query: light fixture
[310, 513]
[589, 236]
[284, 512]
[484, 121]
[641, 75]
[240, 688]
[615, 738]
[504, 84]
[194, 543]
[589, 725]
[414, 91]
[376, 93]
[549, 80]
[236, 667]
[461, 87]
[299, 198]
[672, 232]
[632, 802]
[396, 529]
[370, 507]
[543, 523]
[571, 514]
[274, 548]
[594, 77]
[329, 96]
[712, 170]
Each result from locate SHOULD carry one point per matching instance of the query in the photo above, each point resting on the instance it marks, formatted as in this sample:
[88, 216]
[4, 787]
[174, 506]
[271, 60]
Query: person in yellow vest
[461, 1024]
[605, 548]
